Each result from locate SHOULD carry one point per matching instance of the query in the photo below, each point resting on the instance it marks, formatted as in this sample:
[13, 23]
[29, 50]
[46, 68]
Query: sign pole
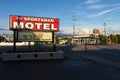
[14, 45]
[54, 41]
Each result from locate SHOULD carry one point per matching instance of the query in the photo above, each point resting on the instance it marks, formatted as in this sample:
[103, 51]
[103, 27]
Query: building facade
[84, 39]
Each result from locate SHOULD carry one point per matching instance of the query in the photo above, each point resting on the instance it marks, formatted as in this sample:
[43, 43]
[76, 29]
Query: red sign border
[35, 17]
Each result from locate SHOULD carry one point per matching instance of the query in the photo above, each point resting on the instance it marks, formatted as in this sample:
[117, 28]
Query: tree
[102, 39]
[2, 39]
[114, 39]
[118, 38]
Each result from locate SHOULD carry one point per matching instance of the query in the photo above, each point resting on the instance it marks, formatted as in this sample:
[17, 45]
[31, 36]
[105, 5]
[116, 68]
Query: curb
[33, 56]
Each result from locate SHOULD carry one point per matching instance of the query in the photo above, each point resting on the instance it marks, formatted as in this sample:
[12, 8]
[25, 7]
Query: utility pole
[105, 32]
[109, 31]
[109, 35]
[74, 24]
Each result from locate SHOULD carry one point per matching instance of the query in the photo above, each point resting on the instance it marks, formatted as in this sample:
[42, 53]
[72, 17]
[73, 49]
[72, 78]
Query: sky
[89, 13]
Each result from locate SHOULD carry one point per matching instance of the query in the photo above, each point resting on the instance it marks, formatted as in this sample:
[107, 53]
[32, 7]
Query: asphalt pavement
[82, 62]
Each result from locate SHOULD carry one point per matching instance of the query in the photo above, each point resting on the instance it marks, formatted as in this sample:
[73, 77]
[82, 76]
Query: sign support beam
[14, 44]
[54, 41]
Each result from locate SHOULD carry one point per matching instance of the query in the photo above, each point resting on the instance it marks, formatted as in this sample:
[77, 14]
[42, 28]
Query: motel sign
[34, 23]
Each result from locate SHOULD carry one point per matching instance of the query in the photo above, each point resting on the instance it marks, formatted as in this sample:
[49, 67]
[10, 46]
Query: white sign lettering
[29, 25]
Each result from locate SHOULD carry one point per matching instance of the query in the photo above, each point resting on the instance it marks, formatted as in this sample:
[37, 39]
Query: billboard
[34, 23]
[34, 36]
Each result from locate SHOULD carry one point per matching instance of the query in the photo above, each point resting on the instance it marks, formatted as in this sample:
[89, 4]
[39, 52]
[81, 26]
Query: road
[82, 62]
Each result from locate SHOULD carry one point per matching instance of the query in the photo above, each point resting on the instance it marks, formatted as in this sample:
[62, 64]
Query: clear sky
[89, 13]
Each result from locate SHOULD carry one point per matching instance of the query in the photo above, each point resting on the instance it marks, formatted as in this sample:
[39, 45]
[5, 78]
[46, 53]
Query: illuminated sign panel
[34, 23]
[34, 36]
